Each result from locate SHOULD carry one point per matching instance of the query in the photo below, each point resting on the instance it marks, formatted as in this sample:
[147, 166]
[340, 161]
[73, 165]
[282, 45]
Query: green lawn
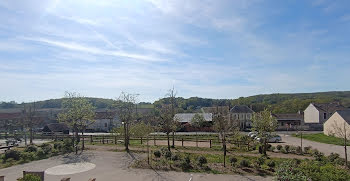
[320, 137]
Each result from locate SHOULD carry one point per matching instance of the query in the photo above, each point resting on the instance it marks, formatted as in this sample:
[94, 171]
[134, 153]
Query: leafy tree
[197, 122]
[78, 113]
[224, 125]
[166, 121]
[264, 124]
[341, 131]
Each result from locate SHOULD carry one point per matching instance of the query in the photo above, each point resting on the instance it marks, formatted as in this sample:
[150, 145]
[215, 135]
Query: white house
[338, 124]
[105, 121]
[187, 117]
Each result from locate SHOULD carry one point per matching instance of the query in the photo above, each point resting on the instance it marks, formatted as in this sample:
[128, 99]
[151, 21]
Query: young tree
[264, 124]
[341, 131]
[166, 121]
[142, 130]
[125, 105]
[197, 122]
[172, 96]
[79, 113]
[224, 125]
[30, 119]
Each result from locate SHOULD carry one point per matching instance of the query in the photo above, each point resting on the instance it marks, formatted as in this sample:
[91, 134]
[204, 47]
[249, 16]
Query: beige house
[315, 115]
[338, 124]
[243, 114]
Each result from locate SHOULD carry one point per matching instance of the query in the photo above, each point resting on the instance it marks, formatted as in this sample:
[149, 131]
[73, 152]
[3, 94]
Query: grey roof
[289, 116]
[56, 127]
[187, 117]
[345, 114]
[241, 109]
[329, 107]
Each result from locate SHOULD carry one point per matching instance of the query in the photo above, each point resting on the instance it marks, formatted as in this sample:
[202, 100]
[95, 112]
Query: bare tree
[264, 124]
[341, 131]
[31, 119]
[125, 105]
[224, 125]
[79, 113]
[172, 96]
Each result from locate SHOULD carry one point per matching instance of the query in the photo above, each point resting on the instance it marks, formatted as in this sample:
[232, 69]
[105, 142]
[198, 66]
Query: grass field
[320, 137]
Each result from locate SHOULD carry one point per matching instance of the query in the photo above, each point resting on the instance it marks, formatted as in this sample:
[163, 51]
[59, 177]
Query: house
[316, 114]
[105, 121]
[243, 114]
[56, 128]
[187, 117]
[293, 121]
[338, 124]
[185, 120]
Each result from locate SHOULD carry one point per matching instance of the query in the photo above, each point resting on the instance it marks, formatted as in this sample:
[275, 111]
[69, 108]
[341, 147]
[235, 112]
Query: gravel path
[327, 149]
[114, 166]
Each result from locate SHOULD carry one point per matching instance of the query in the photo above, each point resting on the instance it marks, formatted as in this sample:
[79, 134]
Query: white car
[252, 134]
[272, 139]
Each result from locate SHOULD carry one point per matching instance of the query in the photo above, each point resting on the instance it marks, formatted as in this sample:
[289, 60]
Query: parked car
[271, 139]
[252, 134]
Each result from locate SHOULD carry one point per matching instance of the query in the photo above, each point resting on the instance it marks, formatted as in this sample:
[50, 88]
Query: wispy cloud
[94, 50]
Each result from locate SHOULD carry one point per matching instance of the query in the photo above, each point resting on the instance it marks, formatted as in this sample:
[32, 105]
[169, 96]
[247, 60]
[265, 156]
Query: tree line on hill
[277, 103]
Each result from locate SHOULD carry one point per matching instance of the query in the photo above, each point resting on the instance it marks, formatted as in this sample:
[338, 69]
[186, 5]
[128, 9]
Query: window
[324, 115]
[106, 125]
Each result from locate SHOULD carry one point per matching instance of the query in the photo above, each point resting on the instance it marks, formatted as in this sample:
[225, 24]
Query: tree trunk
[167, 134]
[196, 138]
[125, 138]
[31, 135]
[224, 146]
[147, 151]
[173, 146]
[345, 149]
[265, 147]
[83, 143]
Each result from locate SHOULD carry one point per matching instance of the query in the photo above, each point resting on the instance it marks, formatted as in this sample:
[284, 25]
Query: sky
[204, 48]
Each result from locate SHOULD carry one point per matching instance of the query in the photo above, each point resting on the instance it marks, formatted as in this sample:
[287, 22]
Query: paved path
[114, 166]
[327, 149]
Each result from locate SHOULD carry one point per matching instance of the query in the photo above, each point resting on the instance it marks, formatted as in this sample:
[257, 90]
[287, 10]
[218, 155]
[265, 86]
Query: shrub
[30, 177]
[31, 148]
[317, 171]
[272, 148]
[286, 148]
[186, 163]
[271, 164]
[175, 157]
[201, 160]
[27, 156]
[67, 145]
[261, 160]
[167, 155]
[163, 150]
[317, 155]
[287, 171]
[307, 149]
[279, 147]
[333, 157]
[41, 154]
[55, 152]
[46, 147]
[14, 154]
[296, 161]
[157, 153]
[299, 150]
[233, 161]
[58, 146]
[244, 163]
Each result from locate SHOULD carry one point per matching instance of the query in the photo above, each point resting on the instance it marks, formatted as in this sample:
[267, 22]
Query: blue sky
[214, 49]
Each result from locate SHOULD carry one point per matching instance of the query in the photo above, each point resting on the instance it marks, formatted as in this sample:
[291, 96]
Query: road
[327, 149]
[109, 166]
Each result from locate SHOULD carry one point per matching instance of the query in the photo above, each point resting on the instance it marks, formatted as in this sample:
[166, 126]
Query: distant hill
[278, 103]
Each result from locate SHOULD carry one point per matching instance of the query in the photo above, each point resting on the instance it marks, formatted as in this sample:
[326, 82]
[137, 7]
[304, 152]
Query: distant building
[243, 114]
[315, 115]
[105, 121]
[187, 117]
[293, 121]
[340, 119]
[56, 128]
